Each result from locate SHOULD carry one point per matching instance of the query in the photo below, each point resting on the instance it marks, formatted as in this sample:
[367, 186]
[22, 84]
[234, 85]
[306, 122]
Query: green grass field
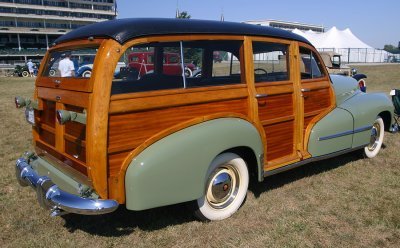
[347, 201]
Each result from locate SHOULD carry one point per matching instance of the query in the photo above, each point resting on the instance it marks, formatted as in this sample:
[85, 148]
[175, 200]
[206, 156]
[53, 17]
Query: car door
[317, 95]
[277, 101]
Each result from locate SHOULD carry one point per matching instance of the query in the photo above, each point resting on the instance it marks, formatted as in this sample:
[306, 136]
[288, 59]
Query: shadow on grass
[124, 222]
[307, 170]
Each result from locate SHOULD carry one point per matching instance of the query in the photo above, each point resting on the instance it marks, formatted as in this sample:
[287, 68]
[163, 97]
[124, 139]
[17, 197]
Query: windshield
[76, 63]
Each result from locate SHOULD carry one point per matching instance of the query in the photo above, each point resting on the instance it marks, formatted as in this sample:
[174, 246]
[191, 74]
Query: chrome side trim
[50, 196]
[310, 160]
[358, 130]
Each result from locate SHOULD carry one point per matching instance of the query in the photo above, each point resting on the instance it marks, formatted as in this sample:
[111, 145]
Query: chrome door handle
[305, 90]
[261, 95]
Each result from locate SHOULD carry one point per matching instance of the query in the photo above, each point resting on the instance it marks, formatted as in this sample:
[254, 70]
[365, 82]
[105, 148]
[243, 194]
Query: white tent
[345, 43]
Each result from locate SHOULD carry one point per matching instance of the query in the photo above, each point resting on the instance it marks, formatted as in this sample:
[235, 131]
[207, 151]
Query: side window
[160, 66]
[212, 63]
[310, 65]
[271, 62]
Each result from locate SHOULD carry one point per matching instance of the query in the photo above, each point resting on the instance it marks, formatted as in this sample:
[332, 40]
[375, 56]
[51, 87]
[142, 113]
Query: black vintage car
[22, 70]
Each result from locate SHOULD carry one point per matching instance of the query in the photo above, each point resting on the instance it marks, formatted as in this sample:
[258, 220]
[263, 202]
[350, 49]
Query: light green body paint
[355, 111]
[174, 169]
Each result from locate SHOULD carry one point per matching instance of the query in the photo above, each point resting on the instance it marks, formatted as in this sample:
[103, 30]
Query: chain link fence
[363, 55]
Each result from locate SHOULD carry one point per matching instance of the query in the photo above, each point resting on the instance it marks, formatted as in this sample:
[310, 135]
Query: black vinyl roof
[123, 30]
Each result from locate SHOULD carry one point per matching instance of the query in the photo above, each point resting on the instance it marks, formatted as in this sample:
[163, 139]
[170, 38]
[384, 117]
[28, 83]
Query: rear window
[75, 63]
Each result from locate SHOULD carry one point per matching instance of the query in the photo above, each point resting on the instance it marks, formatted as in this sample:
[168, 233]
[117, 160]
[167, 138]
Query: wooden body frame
[107, 158]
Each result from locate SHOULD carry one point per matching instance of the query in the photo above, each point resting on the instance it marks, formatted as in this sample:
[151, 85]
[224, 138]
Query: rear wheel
[87, 74]
[376, 140]
[226, 188]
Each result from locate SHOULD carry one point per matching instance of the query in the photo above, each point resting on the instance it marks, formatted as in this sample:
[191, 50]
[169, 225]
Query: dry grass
[341, 202]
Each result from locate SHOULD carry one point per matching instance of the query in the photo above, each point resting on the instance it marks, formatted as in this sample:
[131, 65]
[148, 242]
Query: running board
[310, 160]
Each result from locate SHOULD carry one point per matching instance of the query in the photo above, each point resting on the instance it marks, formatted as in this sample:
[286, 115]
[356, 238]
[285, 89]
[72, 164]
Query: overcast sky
[375, 22]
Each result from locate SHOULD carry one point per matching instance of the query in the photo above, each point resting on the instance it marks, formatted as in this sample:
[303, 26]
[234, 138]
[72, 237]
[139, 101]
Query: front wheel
[25, 74]
[376, 140]
[226, 188]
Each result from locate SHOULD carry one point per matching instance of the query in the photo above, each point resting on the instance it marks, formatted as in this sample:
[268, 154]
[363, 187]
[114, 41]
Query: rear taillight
[64, 116]
[362, 85]
[19, 102]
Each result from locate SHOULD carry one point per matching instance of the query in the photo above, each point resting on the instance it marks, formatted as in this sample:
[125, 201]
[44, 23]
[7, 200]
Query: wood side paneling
[316, 100]
[115, 162]
[275, 106]
[159, 99]
[127, 131]
[279, 139]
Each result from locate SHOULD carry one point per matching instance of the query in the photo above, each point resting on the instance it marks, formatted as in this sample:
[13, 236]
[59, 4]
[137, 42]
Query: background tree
[391, 49]
[183, 15]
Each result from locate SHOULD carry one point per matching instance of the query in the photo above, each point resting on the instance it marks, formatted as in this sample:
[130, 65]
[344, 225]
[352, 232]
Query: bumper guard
[50, 196]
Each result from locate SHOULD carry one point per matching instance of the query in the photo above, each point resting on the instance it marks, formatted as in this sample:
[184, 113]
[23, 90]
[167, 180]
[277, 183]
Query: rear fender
[174, 169]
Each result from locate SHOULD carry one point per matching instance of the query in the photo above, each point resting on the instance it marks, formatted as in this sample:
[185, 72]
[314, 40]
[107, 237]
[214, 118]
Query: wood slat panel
[64, 158]
[47, 137]
[275, 106]
[127, 131]
[75, 129]
[115, 162]
[75, 149]
[76, 84]
[316, 100]
[279, 139]
[48, 114]
[67, 97]
[159, 99]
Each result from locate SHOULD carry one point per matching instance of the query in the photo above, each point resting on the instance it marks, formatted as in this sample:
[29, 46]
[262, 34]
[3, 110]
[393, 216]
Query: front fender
[359, 76]
[174, 169]
[365, 108]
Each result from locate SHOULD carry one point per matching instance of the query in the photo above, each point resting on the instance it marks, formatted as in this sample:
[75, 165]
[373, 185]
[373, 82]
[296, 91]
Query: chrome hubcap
[374, 140]
[222, 187]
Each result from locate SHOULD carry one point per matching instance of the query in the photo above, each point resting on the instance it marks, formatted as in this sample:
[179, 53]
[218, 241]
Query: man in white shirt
[30, 67]
[66, 66]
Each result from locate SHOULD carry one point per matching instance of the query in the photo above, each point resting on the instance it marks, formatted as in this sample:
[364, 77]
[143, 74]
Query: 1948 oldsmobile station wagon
[151, 139]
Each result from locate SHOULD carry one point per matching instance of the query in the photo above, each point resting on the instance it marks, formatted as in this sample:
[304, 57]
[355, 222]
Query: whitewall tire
[376, 140]
[225, 189]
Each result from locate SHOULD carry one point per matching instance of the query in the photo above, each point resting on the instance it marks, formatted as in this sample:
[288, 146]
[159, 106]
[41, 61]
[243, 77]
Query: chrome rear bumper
[50, 196]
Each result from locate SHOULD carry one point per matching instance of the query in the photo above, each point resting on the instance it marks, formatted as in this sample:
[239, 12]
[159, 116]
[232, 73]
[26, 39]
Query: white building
[26, 25]
[289, 25]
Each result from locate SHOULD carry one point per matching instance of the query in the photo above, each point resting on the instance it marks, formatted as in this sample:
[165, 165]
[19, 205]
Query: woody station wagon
[145, 140]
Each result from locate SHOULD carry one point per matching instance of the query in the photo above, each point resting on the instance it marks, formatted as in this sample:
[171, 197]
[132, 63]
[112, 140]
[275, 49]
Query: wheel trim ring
[375, 137]
[233, 190]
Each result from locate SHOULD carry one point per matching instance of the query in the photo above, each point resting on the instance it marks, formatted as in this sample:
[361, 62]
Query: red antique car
[143, 63]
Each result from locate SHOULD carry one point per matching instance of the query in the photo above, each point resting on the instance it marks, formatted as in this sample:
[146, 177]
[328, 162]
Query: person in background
[66, 66]
[30, 67]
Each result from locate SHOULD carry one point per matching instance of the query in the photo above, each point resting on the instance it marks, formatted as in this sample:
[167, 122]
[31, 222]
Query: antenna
[177, 14]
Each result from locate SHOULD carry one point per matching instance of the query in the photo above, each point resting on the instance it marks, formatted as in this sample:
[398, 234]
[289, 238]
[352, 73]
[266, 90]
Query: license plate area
[30, 116]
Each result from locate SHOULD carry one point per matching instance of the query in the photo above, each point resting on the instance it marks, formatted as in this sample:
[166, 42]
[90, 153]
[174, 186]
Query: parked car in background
[22, 70]
[334, 65]
[142, 63]
[164, 137]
